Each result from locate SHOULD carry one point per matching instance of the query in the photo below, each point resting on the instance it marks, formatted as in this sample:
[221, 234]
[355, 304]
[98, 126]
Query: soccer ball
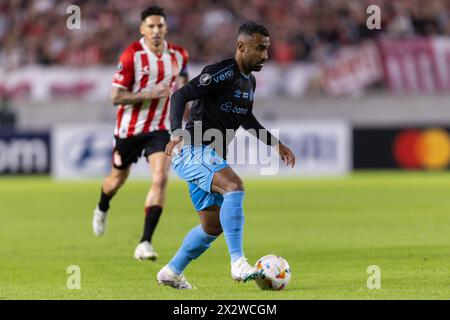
[277, 273]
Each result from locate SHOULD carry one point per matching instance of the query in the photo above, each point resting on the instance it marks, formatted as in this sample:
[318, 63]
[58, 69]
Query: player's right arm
[123, 96]
[122, 92]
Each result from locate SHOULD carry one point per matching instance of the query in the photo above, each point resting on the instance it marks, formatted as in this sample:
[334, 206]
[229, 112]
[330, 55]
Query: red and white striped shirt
[140, 69]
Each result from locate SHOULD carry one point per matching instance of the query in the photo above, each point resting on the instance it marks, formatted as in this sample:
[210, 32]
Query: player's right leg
[199, 239]
[111, 184]
[159, 163]
[230, 186]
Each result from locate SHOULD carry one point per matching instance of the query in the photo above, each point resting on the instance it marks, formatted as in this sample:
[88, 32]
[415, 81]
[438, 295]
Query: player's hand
[286, 155]
[173, 143]
[161, 90]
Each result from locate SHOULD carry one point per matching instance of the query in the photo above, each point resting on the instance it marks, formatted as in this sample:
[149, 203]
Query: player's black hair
[250, 28]
[153, 11]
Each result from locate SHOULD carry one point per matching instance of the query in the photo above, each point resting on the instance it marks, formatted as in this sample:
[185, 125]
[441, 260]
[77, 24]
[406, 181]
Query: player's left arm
[258, 130]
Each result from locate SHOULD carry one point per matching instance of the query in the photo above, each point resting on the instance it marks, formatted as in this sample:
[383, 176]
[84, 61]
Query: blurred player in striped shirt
[145, 78]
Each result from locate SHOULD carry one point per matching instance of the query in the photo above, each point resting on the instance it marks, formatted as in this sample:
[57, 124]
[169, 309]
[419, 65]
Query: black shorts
[128, 150]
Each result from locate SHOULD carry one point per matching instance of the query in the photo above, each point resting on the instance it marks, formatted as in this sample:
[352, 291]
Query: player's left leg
[230, 186]
[159, 164]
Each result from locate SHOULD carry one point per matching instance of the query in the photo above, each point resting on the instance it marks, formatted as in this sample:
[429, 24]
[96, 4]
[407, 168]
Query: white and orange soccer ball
[277, 273]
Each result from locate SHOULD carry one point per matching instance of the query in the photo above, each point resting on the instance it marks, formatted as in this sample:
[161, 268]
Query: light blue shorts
[197, 165]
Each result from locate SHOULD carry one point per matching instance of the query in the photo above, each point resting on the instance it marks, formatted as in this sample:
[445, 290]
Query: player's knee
[212, 229]
[159, 180]
[235, 185]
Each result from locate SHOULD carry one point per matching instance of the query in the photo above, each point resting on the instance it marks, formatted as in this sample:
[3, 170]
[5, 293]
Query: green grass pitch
[329, 230]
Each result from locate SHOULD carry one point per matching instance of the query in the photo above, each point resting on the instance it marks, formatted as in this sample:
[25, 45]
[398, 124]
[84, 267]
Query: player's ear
[166, 26]
[141, 28]
[241, 46]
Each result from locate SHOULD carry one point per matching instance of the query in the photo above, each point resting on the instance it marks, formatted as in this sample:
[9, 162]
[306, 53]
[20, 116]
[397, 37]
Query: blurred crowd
[35, 32]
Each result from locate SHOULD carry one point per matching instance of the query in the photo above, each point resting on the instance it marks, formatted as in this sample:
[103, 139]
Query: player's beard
[157, 42]
[258, 66]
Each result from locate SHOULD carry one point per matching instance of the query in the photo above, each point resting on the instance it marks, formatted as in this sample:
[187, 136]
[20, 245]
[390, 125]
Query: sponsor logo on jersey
[228, 107]
[223, 76]
[239, 110]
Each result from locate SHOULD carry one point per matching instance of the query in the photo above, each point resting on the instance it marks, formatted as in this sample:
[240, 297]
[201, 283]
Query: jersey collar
[147, 49]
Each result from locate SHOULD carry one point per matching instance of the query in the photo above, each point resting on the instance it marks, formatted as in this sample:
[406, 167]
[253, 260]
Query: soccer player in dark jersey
[142, 85]
[223, 95]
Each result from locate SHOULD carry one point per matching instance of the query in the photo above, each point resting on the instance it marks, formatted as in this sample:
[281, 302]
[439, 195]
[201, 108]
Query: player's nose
[265, 56]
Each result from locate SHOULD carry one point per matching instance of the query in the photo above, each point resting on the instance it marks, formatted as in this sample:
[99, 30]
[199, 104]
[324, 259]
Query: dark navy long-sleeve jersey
[223, 100]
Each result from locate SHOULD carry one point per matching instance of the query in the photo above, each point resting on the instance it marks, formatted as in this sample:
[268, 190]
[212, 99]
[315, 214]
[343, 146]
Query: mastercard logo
[422, 149]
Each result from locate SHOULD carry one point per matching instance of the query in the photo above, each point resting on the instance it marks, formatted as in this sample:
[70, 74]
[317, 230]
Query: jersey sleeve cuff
[119, 86]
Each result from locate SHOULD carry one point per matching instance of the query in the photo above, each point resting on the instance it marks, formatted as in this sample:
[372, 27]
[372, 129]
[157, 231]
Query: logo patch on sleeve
[205, 79]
